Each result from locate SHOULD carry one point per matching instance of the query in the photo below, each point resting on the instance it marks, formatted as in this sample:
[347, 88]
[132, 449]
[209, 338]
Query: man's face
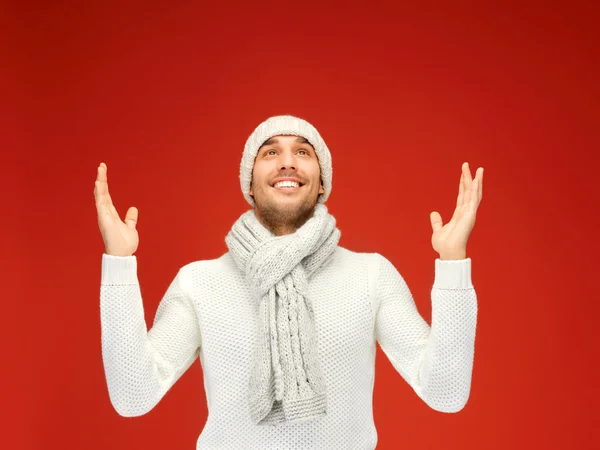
[290, 158]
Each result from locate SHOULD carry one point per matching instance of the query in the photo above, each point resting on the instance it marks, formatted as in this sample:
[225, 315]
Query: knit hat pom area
[284, 125]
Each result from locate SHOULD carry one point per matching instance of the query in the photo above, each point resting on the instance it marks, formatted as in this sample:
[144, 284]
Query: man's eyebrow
[270, 141]
[299, 140]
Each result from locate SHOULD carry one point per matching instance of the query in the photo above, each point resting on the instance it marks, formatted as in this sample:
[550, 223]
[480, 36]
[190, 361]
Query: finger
[467, 172]
[481, 184]
[101, 173]
[101, 187]
[468, 182]
[131, 218]
[477, 189]
[474, 195]
[104, 204]
[461, 191]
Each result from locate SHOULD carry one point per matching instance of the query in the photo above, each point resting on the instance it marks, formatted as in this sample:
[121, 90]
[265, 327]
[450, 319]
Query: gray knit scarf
[286, 383]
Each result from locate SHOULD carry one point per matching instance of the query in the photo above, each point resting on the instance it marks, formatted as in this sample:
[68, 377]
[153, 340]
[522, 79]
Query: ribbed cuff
[119, 269]
[453, 274]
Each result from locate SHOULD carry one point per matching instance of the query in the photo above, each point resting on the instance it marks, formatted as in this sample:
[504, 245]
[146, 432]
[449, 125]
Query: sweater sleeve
[436, 361]
[141, 366]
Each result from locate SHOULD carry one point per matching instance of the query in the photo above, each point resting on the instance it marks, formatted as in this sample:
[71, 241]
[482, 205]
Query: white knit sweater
[358, 298]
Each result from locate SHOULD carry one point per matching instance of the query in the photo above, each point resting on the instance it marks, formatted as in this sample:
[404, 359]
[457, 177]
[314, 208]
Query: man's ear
[251, 193]
[321, 189]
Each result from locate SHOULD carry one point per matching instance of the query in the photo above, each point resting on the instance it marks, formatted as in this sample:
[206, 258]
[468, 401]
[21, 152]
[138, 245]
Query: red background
[403, 94]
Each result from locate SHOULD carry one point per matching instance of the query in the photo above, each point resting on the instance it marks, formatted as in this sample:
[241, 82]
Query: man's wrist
[453, 256]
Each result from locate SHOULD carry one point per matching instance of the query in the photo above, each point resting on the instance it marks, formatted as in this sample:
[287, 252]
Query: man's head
[285, 148]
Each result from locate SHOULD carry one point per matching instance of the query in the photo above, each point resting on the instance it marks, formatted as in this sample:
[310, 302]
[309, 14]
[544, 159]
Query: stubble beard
[291, 217]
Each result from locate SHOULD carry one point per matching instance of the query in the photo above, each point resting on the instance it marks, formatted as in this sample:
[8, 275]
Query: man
[286, 322]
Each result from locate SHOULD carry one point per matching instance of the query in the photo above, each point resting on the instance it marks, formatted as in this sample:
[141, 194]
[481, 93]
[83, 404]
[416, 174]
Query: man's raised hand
[120, 238]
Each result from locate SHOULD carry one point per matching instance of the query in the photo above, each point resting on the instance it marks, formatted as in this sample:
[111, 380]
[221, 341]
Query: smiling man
[286, 182]
[285, 323]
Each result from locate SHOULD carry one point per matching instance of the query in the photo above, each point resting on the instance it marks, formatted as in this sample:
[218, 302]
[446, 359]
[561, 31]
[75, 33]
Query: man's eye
[270, 151]
[302, 150]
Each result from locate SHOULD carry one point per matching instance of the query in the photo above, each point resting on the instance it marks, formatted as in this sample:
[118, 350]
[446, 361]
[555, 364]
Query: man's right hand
[120, 238]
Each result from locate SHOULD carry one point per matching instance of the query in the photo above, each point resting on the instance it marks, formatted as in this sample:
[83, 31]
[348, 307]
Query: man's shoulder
[347, 252]
[347, 255]
[219, 264]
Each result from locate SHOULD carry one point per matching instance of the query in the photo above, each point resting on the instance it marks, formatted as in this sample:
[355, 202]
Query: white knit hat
[284, 125]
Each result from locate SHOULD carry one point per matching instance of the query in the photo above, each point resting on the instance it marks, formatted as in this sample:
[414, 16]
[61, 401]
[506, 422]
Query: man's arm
[436, 361]
[140, 365]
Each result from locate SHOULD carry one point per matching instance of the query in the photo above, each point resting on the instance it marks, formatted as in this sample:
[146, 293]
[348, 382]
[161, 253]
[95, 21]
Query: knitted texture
[277, 269]
[209, 313]
[285, 125]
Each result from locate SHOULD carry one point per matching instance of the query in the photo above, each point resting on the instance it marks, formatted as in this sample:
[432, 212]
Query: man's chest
[339, 304]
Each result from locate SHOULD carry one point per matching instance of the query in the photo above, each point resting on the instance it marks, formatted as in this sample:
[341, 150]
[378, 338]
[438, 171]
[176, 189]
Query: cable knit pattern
[209, 313]
[277, 268]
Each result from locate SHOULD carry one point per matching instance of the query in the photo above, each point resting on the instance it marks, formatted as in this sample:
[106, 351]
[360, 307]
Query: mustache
[290, 175]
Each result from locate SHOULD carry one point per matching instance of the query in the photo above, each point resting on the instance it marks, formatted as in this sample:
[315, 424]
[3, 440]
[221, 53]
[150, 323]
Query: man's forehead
[276, 140]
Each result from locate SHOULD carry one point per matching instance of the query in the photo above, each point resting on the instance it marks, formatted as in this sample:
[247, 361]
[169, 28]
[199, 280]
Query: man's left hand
[450, 240]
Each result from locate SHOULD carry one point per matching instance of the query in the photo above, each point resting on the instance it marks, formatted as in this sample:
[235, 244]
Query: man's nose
[287, 160]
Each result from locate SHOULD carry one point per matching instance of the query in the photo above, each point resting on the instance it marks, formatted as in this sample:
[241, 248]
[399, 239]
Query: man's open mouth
[287, 185]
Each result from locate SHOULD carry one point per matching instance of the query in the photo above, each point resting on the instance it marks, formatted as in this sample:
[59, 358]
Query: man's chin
[286, 203]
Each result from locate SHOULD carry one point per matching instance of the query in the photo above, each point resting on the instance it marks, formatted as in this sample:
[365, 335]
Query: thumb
[131, 217]
[436, 220]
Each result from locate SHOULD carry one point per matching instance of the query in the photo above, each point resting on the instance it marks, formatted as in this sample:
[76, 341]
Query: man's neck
[282, 230]
[277, 229]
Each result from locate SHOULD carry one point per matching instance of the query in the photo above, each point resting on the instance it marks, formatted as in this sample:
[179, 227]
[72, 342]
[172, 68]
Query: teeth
[287, 184]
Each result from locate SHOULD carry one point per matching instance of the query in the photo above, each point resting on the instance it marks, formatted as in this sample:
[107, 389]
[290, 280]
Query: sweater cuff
[453, 274]
[119, 270]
